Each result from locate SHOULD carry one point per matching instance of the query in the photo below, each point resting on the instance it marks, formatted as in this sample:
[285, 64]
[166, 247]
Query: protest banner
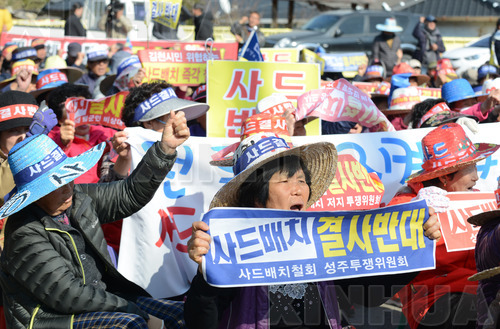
[366, 87]
[177, 67]
[353, 188]
[458, 234]
[411, 95]
[155, 239]
[235, 87]
[341, 101]
[280, 55]
[227, 50]
[166, 12]
[104, 111]
[267, 246]
[309, 56]
[343, 62]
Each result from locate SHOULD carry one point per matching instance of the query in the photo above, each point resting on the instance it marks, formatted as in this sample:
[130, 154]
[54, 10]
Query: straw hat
[165, 101]
[390, 25]
[39, 167]
[454, 152]
[458, 89]
[48, 80]
[257, 150]
[480, 220]
[56, 62]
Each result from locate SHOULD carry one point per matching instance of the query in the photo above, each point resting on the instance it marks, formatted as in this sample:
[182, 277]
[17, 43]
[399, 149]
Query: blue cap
[485, 70]
[457, 90]
[430, 18]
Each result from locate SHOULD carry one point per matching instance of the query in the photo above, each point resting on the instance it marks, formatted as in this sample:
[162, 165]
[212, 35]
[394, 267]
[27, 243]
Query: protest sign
[235, 87]
[155, 239]
[458, 234]
[343, 62]
[353, 188]
[267, 246]
[280, 55]
[177, 67]
[341, 101]
[366, 87]
[105, 111]
[309, 56]
[166, 12]
[228, 50]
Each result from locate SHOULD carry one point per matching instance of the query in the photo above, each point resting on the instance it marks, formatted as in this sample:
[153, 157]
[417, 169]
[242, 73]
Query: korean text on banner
[280, 55]
[166, 12]
[458, 234]
[341, 101]
[343, 62]
[235, 87]
[105, 111]
[177, 67]
[266, 246]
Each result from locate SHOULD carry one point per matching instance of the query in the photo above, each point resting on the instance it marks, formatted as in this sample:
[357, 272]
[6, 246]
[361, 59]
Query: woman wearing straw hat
[387, 45]
[55, 268]
[443, 296]
[280, 178]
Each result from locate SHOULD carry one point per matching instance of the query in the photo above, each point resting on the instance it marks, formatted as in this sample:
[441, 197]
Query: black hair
[117, 5]
[419, 109]
[138, 95]
[57, 97]
[436, 181]
[75, 6]
[255, 189]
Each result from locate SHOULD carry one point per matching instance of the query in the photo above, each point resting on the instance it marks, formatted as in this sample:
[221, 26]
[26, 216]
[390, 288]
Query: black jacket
[74, 27]
[42, 275]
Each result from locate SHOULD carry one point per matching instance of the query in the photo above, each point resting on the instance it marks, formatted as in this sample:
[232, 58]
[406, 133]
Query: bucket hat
[56, 62]
[165, 101]
[447, 149]
[26, 64]
[439, 114]
[39, 167]
[257, 150]
[48, 80]
[125, 71]
[390, 25]
[17, 109]
[457, 90]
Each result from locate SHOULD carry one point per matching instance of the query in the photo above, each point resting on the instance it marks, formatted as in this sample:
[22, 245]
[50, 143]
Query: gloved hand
[43, 121]
[469, 123]
[435, 198]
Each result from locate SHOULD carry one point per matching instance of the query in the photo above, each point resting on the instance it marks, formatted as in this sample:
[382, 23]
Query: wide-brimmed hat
[21, 53]
[440, 114]
[39, 167]
[58, 63]
[26, 64]
[125, 71]
[490, 85]
[406, 68]
[200, 94]
[447, 149]
[165, 101]
[403, 100]
[17, 109]
[374, 72]
[255, 151]
[48, 80]
[457, 90]
[480, 220]
[390, 25]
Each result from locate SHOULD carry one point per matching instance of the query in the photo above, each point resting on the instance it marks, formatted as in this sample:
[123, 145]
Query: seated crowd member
[55, 269]
[443, 296]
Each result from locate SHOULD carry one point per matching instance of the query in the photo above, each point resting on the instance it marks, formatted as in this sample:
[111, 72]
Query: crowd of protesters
[64, 194]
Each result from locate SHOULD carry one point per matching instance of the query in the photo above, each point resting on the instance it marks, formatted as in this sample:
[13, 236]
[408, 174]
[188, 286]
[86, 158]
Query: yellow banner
[280, 55]
[309, 56]
[166, 12]
[235, 88]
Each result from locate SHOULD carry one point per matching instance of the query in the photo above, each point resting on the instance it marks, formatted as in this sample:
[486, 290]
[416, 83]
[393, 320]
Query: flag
[128, 44]
[251, 49]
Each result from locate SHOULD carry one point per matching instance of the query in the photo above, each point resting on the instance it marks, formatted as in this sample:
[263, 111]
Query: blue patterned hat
[39, 167]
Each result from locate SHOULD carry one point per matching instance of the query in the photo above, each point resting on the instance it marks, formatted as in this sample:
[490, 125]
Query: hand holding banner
[105, 111]
[267, 246]
[341, 102]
